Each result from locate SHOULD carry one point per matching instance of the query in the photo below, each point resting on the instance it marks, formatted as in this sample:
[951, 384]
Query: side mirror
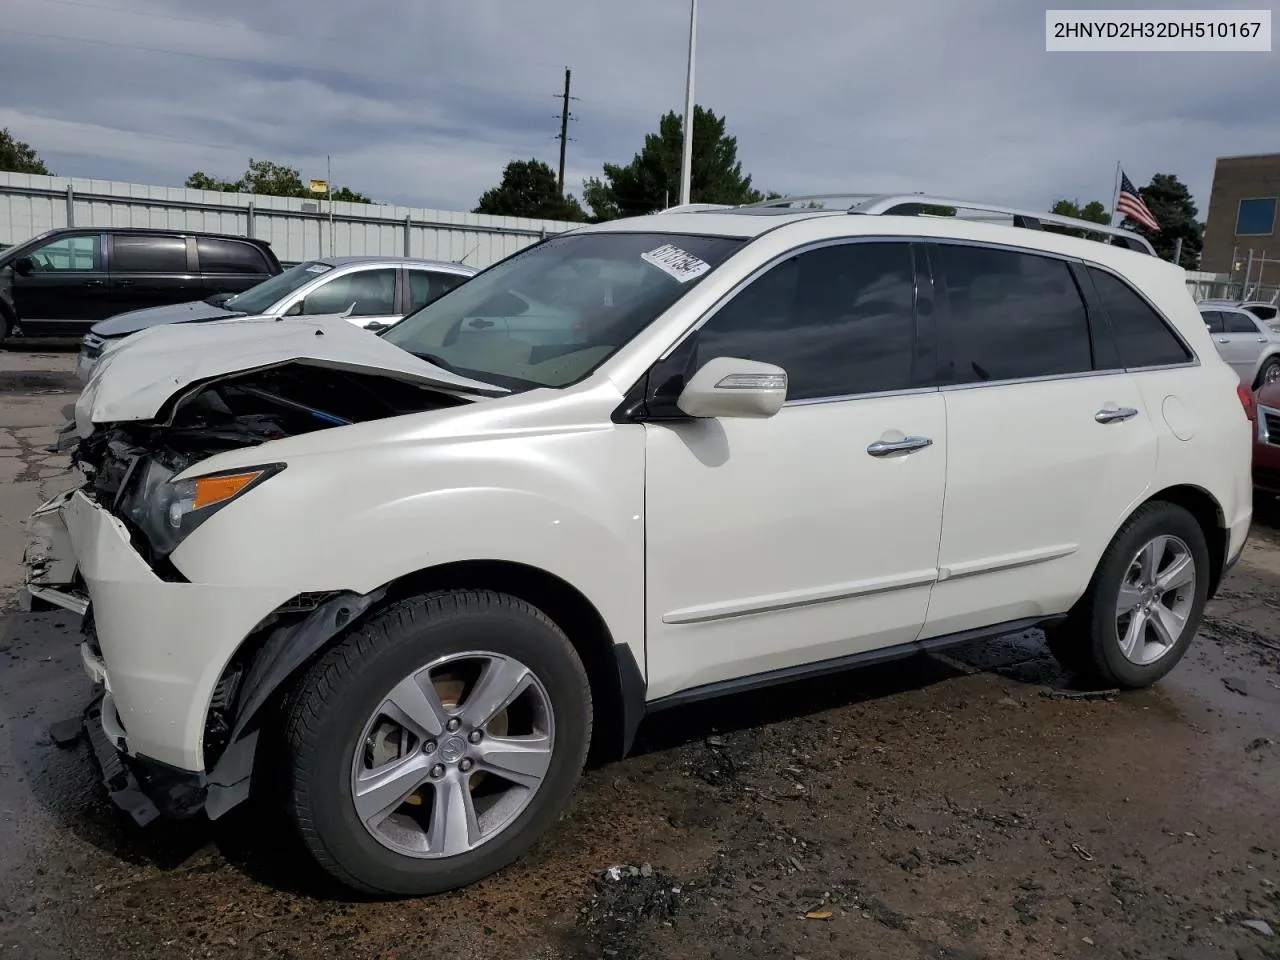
[218, 299]
[24, 266]
[730, 387]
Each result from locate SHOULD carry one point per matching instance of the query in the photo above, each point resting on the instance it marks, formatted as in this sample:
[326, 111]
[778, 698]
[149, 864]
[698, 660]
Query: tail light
[1247, 401]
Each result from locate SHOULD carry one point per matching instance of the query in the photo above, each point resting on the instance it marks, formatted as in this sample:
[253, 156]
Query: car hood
[137, 377]
[125, 323]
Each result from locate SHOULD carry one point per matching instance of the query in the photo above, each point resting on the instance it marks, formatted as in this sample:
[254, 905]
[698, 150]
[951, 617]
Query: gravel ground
[961, 806]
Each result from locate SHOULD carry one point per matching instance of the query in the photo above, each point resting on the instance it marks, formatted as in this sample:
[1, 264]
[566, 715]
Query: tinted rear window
[1142, 336]
[230, 256]
[148, 254]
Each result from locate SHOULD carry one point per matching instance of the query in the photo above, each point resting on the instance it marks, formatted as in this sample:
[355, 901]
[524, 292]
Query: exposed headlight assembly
[167, 511]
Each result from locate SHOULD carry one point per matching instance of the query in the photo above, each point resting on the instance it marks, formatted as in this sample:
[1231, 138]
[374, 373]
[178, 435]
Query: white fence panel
[296, 229]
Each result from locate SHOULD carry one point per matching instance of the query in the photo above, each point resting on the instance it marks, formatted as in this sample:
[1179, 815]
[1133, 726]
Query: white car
[1249, 344]
[429, 570]
[371, 292]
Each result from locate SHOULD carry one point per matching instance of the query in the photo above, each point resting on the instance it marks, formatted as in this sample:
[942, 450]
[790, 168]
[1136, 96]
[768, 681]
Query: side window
[428, 285]
[1213, 320]
[148, 254]
[1265, 313]
[371, 293]
[838, 319]
[1239, 323]
[66, 255]
[1011, 315]
[1141, 334]
[228, 256]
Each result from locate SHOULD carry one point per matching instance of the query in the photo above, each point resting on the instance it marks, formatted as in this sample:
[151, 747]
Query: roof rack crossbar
[858, 195]
[910, 204]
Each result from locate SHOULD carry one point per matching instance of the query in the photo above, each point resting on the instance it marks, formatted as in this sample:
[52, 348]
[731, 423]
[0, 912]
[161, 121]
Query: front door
[65, 289]
[151, 270]
[812, 535]
[1050, 444]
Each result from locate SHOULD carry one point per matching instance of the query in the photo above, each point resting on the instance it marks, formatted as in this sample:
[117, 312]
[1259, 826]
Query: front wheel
[1270, 372]
[434, 744]
[1144, 604]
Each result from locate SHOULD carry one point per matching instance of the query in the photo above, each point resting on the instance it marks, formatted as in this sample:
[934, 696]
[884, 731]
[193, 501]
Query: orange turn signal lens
[211, 490]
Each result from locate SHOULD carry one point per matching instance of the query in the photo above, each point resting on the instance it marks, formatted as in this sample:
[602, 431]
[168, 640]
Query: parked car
[433, 567]
[1251, 346]
[371, 292]
[62, 282]
[1267, 312]
[1265, 414]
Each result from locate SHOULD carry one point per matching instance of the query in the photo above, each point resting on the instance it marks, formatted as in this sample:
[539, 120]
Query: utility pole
[564, 127]
[686, 162]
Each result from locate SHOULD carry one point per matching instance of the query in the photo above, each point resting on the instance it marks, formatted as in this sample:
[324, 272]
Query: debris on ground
[1258, 926]
[1235, 685]
[1107, 695]
[66, 733]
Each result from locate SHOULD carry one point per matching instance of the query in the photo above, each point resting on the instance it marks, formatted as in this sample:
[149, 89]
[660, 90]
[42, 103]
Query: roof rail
[811, 200]
[696, 207]
[910, 204]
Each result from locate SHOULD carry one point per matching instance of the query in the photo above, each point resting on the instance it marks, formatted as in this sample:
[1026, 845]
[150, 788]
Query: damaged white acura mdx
[405, 584]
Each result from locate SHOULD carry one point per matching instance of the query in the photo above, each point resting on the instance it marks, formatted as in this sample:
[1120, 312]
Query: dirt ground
[960, 807]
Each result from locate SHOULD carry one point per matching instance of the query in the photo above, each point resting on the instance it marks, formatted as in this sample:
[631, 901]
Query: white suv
[408, 581]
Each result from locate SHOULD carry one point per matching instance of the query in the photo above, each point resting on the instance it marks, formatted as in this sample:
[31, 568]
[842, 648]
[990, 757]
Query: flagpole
[1115, 197]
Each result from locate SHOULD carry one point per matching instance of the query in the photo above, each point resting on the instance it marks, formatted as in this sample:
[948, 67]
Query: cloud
[425, 103]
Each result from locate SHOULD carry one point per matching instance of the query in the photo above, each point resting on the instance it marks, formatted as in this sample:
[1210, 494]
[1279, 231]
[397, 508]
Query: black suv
[62, 282]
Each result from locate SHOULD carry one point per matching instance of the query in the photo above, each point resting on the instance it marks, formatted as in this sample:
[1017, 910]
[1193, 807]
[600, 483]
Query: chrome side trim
[1008, 561]
[800, 598]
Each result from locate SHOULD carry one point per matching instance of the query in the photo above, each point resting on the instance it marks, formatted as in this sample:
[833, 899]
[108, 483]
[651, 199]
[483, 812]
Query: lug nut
[476, 736]
[437, 771]
[429, 747]
[453, 724]
[465, 765]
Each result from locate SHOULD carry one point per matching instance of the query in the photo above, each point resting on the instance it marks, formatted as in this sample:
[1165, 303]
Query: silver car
[371, 292]
[1251, 345]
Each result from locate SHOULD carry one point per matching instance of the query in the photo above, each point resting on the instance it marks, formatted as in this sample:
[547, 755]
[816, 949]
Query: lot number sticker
[677, 263]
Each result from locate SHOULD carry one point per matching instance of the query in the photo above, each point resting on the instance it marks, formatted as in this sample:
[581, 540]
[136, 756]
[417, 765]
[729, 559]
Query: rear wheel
[433, 745]
[1145, 602]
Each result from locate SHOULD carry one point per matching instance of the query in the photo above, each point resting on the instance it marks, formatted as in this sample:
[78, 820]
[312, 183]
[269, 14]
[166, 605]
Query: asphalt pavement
[965, 806]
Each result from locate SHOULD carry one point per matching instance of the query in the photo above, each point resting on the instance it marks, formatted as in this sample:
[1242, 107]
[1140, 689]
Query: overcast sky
[423, 103]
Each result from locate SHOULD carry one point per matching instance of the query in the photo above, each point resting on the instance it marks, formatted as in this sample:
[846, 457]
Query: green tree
[267, 178]
[651, 181]
[347, 195]
[19, 157]
[530, 188]
[1092, 211]
[1170, 203]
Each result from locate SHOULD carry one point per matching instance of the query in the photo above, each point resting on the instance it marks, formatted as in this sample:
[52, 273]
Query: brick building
[1243, 211]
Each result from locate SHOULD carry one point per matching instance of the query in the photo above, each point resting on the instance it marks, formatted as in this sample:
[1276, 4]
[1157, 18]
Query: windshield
[553, 313]
[260, 298]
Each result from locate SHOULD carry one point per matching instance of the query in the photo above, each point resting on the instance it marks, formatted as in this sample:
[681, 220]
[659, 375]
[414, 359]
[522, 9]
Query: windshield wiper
[431, 358]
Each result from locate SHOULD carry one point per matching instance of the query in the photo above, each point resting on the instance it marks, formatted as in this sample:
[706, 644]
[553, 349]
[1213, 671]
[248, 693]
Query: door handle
[1262, 339]
[1115, 415]
[882, 448]
[94, 283]
[124, 283]
[1223, 340]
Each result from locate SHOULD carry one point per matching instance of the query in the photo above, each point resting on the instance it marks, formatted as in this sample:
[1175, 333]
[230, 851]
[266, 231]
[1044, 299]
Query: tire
[1091, 643]
[1269, 372]
[337, 719]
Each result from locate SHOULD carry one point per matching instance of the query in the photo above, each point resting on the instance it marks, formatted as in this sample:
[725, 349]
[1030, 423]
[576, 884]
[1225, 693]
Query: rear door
[1049, 441]
[1240, 343]
[151, 270]
[66, 290]
[229, 266]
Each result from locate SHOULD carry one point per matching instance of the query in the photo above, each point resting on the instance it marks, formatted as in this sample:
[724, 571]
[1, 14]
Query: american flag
[1130, 204]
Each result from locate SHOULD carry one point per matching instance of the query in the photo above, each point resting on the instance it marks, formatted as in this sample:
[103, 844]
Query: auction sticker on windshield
[677, 263]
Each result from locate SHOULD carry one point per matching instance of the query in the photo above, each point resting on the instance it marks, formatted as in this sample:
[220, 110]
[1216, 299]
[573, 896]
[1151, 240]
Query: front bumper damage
[158, 651]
